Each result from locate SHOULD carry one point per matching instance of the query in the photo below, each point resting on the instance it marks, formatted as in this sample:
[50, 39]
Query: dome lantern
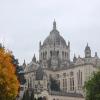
[54, 25]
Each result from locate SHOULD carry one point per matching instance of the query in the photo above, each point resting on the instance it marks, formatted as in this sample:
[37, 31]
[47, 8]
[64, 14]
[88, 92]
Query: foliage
[20, 76]
[93, 87]
[9, 84]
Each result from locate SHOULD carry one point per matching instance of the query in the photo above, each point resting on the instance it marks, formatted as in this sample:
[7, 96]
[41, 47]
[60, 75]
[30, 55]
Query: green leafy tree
[92, 87]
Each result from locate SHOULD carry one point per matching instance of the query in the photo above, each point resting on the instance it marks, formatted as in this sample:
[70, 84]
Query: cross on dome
[54, 25]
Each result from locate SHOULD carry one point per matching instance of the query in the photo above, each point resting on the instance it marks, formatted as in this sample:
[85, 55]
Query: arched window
[58, 53]
[62, 54]
[65, 54]
[41, 55]
[51, 53]
[65, 84]
[71, 84]
[45, 54]
[79, 79]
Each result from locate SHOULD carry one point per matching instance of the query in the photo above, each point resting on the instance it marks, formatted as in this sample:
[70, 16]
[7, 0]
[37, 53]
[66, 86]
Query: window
[65, 84]
[64, 74]
[62, 54]
[71, 73]
[65, 54]
[51, 53]
[45, 54]
[58, 53]
[71, 84]
[41, 55]
[79, 79]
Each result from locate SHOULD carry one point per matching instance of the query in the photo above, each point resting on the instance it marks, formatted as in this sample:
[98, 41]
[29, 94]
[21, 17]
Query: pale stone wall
[64, 98]
[57, 48]
[56, 97]
[86, 70]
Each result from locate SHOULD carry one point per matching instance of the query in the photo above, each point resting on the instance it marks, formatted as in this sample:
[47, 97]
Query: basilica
[55, 76]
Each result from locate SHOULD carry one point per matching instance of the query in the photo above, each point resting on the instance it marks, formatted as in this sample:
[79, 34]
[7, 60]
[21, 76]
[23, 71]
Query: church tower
[87, 52]
[54, 46]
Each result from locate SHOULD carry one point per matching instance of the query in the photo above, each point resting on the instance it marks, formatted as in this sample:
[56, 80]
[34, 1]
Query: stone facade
[54, 61]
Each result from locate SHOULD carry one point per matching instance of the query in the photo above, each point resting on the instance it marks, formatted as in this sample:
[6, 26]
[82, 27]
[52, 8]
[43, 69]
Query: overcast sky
[23, 23]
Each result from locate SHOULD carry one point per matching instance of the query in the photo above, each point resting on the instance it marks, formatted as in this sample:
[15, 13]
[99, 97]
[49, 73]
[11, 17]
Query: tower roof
[87, 47]
[34, 58]
[54, 25]
[54, 37]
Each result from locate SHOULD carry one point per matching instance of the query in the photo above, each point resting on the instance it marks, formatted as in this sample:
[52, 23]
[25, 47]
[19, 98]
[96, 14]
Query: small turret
[40, 44]
[74, 59]
[96, 55]
[1, 46]
[24, 64]
[87, 52]
[54, 25]
[34, 58]
[68, 44]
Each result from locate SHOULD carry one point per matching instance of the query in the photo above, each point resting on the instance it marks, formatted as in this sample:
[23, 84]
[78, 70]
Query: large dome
[54, 38]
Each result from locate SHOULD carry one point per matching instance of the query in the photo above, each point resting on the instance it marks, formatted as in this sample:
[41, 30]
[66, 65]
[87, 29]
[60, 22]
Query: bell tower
[87, 52]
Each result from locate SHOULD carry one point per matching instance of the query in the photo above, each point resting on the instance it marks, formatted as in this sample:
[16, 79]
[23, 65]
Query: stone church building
[55, 76]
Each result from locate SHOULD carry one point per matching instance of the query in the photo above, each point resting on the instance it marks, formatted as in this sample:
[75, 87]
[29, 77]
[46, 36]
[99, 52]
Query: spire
[24, 64]
[74, 59]
[54, 25]
[34, 58]
[68, 44]
[0, 45]
[74, 55]
[96, 55]
[87, 51]
[87, 45]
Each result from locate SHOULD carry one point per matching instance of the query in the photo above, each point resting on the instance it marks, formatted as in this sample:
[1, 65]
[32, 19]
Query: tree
[92, 87]
[9, 84]
[19, 70]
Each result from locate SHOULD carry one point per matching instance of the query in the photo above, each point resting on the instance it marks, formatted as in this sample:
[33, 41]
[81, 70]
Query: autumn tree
[18, 70]
[9, 84]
